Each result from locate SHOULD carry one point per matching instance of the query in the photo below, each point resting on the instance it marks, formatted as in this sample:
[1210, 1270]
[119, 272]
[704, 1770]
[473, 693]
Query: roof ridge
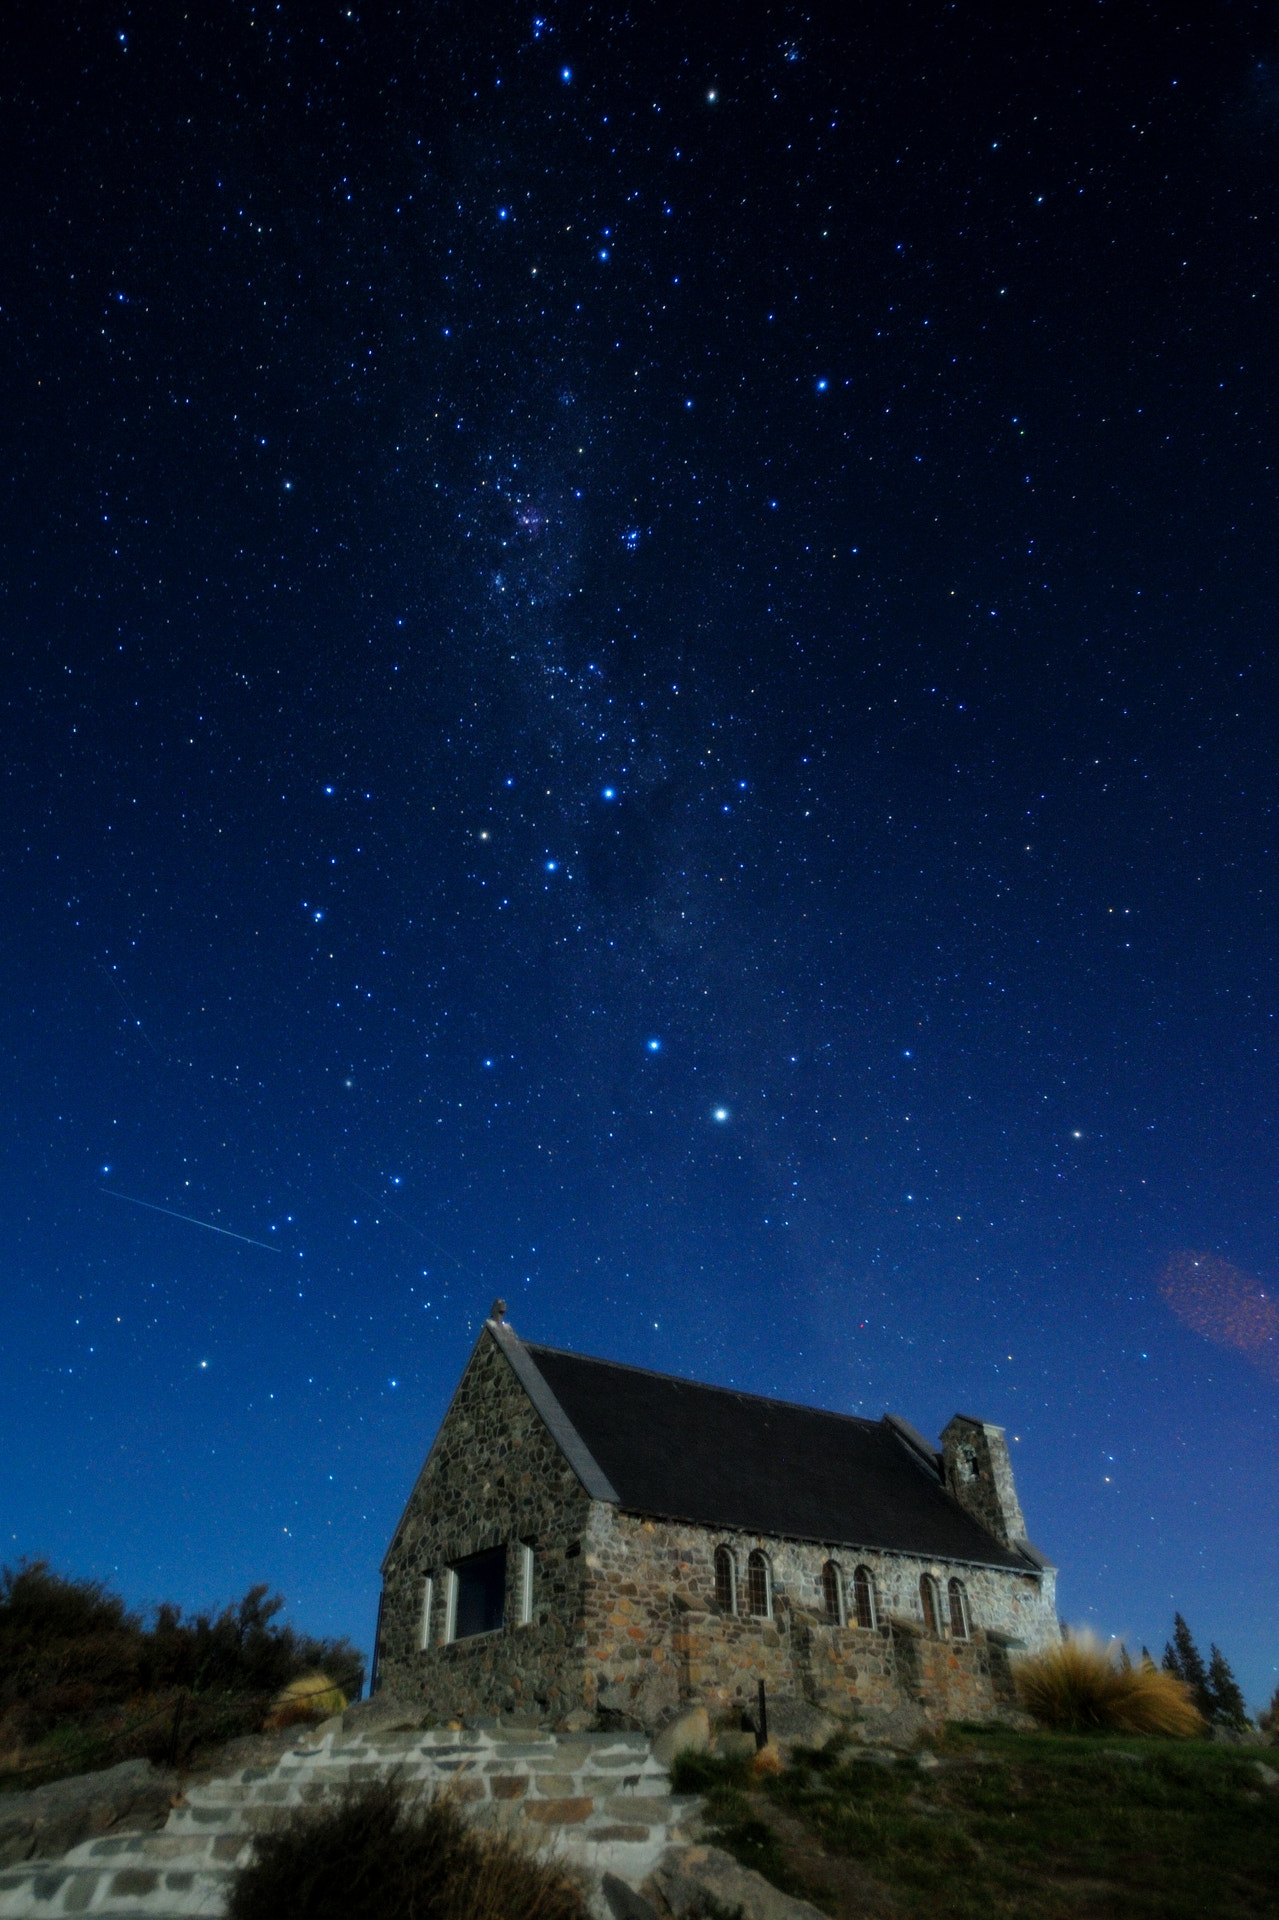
[706, 1386]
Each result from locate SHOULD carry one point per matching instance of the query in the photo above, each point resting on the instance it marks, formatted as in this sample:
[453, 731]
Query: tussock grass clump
[1082, 1686]
[378, 1851]
[312, 1696]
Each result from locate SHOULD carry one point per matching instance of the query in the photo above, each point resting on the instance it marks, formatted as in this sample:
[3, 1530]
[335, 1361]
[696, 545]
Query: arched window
[759, 1585]
[864, 1597]
[928, 1601]
[833, 1593]
[725, 1580]
[958, 1610]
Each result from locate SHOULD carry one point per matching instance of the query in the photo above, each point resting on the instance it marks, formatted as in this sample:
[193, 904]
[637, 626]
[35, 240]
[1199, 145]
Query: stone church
[593, 1544]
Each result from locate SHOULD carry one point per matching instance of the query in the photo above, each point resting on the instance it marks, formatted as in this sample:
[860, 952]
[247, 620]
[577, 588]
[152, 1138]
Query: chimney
[979, 1474]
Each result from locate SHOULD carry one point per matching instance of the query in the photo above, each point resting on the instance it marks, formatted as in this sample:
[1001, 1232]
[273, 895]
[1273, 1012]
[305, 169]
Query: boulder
[689, 1732]
[688, 1881]
[131, 1798]
[382, 1714]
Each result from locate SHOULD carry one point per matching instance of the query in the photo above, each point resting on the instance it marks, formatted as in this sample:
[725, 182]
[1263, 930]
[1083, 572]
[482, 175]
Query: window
[428, 1597]
[526, 1584]
[479, 1594]
[958, 1609]
[928, 1601]
[759, 1585]
[833, 1593]
[725, 1580]
[864, 1597]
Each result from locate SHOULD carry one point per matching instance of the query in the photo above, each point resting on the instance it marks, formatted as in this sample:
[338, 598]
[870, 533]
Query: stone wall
[656, 1637]
[493, 1477]
[625, 1624]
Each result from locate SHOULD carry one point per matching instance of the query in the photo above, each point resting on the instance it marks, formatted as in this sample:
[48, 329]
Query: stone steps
[599, 1801]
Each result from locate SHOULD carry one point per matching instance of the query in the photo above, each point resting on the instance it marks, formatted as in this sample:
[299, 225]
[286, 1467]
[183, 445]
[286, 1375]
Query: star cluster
[638, 677]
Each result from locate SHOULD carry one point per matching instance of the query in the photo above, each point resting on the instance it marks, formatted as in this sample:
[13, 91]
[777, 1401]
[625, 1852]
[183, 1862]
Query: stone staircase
[601, 1802]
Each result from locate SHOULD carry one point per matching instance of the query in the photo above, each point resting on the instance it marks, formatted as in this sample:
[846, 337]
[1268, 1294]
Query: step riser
[601, 1803]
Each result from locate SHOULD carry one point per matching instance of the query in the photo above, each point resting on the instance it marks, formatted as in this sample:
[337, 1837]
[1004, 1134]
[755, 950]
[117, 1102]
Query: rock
[384, 1713]
[691, 1880]
[1267, 1775]
[624, 1903]
[794, 1723]
[689, 1733]
[733, 1744]
[133, 1797]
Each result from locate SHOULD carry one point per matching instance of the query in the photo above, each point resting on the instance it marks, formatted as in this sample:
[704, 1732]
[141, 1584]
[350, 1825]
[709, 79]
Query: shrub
[1081, 1686]
[312, 1696]
[84, 1682]
[376, 1851]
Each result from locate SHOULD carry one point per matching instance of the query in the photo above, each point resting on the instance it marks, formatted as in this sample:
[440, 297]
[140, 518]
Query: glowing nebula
[1223, 1304]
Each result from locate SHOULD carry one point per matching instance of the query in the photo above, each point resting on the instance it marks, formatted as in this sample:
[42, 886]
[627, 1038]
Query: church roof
[676, 1449]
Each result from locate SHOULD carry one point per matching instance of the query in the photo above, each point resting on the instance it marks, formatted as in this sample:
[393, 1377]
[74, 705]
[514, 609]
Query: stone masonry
[624, 1628]
[494, 1476]
[601, 1802]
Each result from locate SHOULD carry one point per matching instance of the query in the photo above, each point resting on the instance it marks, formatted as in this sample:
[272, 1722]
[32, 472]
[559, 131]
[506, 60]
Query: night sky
[638, 674]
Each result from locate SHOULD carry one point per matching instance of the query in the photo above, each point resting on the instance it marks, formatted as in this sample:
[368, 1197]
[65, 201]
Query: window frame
[864, 1581]
[833, 1586]
[449, 1631]
[428, 1606]
[758, 1562]
[930, 1605]
[961, 1619]
[527, 1564]
[724, 1556]
[455, 1593]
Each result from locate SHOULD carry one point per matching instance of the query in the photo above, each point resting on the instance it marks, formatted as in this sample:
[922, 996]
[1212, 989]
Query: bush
[1082, 1687]
[84, 1682]
[376, 1852]
[311, 1697]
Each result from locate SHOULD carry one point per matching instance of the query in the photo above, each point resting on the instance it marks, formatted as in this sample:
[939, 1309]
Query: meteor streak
[190, 1220]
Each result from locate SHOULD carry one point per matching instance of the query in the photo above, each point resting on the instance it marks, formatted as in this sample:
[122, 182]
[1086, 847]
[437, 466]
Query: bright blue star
[551, 865]
[654, 1046]
[566, 74]
[822, 385]
[610, 793]
[720, 1115]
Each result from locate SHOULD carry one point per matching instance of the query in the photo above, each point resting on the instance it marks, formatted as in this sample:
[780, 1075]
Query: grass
[1009, 1826]
[378, 1851]
[1082, 1686]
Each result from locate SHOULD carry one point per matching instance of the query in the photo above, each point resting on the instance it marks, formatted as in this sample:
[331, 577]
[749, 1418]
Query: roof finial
[498, 1311]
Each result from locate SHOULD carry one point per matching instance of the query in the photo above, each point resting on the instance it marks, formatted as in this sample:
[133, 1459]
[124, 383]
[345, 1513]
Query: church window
[864, 1597]
[833, 1593]
[759, 1585]
[725, 1580]
[928, 1602]
[424, 1630]
[958, 1609]
[479, 1594]
[526, 1584]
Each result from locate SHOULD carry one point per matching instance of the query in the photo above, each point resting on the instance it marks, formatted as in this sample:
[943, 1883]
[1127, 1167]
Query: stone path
[600, 1800]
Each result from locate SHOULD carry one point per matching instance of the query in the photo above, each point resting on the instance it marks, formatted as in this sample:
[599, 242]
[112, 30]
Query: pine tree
[1228, 1709]
[1269, 1720]
[1183, 1658]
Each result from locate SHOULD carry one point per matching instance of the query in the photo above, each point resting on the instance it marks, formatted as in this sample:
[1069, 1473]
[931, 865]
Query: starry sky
[638, 674]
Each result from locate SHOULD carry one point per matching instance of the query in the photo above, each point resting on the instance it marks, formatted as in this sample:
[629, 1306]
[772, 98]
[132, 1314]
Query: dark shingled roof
[683, 1451]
